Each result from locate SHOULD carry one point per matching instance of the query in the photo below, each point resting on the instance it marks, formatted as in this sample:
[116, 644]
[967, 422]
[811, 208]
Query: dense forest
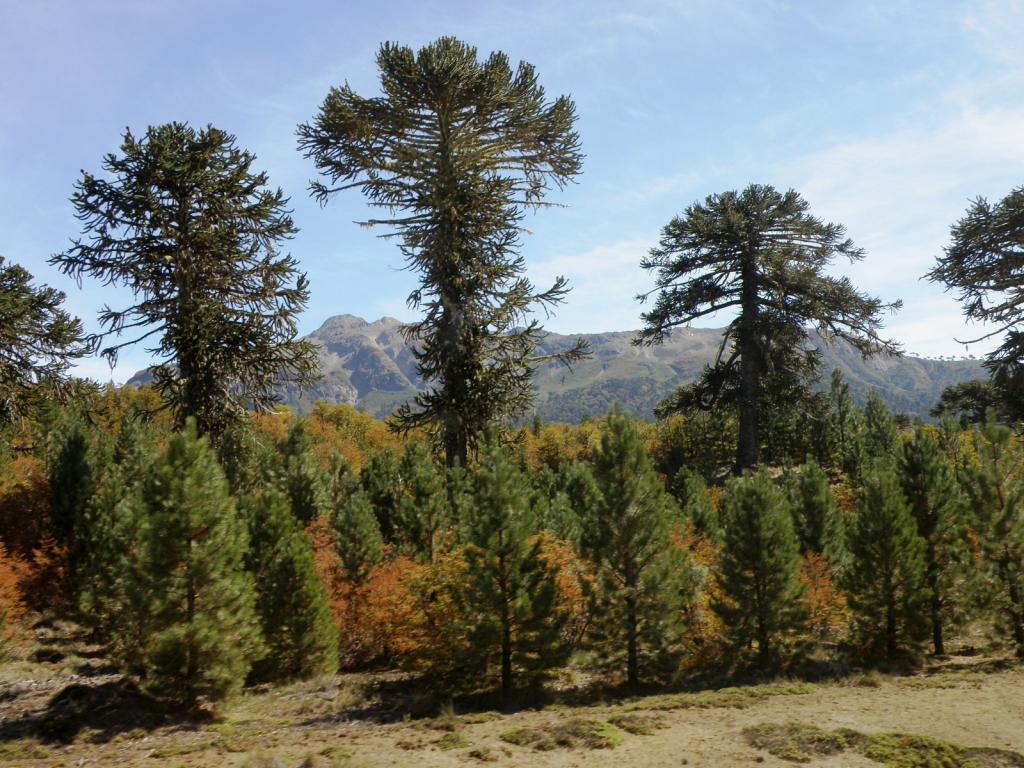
[763, 523]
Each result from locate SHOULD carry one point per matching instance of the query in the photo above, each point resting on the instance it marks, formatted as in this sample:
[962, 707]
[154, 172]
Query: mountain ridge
[369, 365]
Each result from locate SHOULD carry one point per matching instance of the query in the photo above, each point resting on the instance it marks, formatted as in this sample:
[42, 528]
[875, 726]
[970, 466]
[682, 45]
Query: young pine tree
[291, 601]
[302, 479]
[994, 484]
[643, 581]
[423, 512]
[72, 480]
[381, 480]
[881, 433]
[885, 569]
[357, 536]
[813, 505]
[933, 494]
[759, 567]
[113, 593]
[205, 633]
[510, 594]
[691, 492]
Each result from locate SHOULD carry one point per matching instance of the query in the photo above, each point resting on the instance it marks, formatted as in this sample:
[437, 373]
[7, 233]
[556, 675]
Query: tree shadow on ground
[103, 711]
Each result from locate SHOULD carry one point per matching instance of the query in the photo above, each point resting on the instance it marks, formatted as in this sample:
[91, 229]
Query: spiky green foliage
[813, 504]
[381, 480]
[691, 493]
[423, 512]
[38, 342]
[357, 536]
[881, 432]
[291, 600]
[204, 632]
[72, 479]
[184, 223]
[760, 561]
[510, 595]
[301, 477]
[845, 427]
[248, 460]
[885, 570]
[982, 265]
[994, 485]
[113, 582]
[455, 150]
[971, 401]
[643, 582]
[936, 504]
[575, 500]
[761, 254]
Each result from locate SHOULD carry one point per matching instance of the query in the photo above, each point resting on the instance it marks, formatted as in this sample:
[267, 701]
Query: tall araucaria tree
[984, 264]
[184, 222]
[456, 150]
[38, 341]
[760, 254]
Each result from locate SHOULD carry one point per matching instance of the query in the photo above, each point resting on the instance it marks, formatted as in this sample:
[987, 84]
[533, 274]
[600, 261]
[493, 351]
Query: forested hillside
[370, 365]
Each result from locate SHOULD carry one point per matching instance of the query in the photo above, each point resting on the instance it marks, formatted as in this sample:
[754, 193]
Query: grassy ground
[60, 705]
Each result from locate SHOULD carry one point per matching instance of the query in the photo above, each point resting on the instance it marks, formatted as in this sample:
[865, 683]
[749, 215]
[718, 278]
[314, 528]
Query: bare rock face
[370, 365]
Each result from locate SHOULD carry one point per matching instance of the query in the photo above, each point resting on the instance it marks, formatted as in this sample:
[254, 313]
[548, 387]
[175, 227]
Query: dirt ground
[61, 706]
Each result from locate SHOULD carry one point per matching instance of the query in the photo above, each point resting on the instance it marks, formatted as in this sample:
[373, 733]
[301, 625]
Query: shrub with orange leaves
[827, 615]
[705, 637]
[572, 573]
[13, 574]
[24, 505]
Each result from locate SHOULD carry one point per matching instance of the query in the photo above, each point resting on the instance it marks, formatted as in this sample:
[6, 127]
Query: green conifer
[760, 562]
[357, 536]
[934, 497]
[423, 511]
[513, 621]
[302, 479]
[291, 600]
[691, 492]
[813, 505]
[643, 582]
[994, 484]
[205, 631]
[884, 574]
[382, 482]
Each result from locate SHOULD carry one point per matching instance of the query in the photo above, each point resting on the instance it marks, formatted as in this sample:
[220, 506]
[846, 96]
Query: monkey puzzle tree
[38, 340]
[456, 150]
[985, 265]
[760, 254]
[186, 224]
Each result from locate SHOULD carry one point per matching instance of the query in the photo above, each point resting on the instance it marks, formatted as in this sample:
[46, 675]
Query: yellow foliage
[827, 615]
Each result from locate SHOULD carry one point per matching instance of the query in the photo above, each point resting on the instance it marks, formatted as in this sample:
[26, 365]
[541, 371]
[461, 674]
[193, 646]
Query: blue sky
[888, 117]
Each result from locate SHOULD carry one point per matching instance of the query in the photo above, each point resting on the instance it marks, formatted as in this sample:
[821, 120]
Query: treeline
[299, 545]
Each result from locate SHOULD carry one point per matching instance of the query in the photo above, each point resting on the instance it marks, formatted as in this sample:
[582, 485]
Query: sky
[888, 117]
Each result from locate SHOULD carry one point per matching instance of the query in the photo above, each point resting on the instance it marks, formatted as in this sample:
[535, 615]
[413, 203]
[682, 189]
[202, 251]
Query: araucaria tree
[760, 254]
[983, 264]
[456, 150]
[643, 581]
[761, 601]
[38, 341]
[194, 233]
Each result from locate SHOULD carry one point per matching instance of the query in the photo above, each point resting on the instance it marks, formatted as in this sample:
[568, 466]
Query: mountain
[369, 365]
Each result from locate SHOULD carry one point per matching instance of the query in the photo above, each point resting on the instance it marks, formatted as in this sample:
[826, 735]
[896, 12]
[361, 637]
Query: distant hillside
[370, 366]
